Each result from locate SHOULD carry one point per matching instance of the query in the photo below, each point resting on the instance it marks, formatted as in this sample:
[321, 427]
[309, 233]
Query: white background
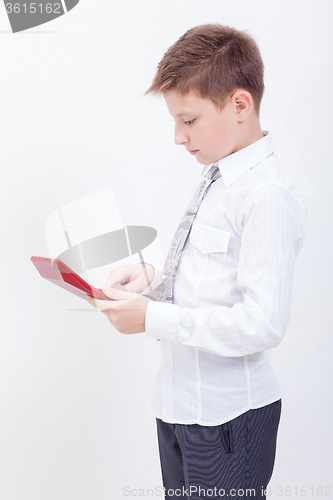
[74, 409]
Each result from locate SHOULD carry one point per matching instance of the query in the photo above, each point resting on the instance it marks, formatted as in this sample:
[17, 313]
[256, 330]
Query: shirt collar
[234, 165]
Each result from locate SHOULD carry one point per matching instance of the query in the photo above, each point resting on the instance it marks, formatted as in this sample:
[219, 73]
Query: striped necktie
[164, 292]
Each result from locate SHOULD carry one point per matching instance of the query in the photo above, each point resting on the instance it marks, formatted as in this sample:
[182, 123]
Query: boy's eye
[188, 122]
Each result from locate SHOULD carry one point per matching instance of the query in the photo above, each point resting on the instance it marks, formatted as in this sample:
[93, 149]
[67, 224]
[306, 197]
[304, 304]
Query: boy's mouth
[193, 151]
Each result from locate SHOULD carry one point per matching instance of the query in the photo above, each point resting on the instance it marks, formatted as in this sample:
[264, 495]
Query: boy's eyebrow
[183, 113]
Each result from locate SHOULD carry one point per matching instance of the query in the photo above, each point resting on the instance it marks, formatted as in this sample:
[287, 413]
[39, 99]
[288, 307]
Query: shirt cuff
[162, 321]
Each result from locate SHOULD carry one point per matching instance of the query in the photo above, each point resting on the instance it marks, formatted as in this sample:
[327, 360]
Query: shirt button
[166, 363]
[164, 276]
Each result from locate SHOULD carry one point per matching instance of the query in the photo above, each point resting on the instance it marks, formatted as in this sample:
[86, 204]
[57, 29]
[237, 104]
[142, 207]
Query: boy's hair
[212, 60]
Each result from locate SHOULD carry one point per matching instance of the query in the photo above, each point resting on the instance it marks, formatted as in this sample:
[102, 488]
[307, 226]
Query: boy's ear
[243, 104]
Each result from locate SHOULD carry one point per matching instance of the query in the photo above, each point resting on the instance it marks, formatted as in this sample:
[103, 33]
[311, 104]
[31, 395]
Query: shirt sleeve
[273, 223]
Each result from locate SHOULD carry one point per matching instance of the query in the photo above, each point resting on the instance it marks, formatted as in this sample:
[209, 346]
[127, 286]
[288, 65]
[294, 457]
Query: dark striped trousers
[230, 461]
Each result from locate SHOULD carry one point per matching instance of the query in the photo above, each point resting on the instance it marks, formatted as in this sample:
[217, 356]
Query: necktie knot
[213, 172]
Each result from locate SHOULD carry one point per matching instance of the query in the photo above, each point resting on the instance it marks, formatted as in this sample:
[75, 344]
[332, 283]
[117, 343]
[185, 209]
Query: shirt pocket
[209, 239]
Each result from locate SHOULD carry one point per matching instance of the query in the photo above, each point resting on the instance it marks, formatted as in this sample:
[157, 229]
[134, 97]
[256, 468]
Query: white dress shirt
[232, 294]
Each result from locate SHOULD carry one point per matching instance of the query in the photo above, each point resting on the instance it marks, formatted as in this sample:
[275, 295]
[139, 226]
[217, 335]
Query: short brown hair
[212, 60]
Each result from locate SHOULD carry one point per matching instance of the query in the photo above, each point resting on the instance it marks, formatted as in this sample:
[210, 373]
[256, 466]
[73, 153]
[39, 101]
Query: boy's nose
[180, 136]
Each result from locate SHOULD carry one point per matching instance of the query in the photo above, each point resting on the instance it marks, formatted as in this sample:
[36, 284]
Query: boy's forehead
[176, 97]
[181, 104]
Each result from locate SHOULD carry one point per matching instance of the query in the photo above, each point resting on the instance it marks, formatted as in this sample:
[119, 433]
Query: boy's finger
[91, 300]
[119, 294]
[100, 304]
[106, 288]
[116, 278]
[133, 286]
[113, 281]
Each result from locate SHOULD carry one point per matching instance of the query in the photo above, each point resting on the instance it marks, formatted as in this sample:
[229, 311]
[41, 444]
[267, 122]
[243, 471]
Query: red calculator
[57, 272]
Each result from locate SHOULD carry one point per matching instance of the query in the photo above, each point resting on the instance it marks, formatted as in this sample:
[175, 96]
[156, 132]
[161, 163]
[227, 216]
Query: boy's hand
[137, 277]
[127, 312]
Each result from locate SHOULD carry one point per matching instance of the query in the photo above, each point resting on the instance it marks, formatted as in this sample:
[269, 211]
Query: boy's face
[207, 132]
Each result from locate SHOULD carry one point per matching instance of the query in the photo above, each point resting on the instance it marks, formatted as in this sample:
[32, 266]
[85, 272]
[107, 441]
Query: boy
[226, 293]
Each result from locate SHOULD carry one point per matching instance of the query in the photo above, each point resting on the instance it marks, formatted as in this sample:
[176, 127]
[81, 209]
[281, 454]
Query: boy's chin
[204, 159]
[203, 162]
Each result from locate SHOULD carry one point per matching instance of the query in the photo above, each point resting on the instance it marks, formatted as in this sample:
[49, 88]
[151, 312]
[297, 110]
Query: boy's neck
[249, 132]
